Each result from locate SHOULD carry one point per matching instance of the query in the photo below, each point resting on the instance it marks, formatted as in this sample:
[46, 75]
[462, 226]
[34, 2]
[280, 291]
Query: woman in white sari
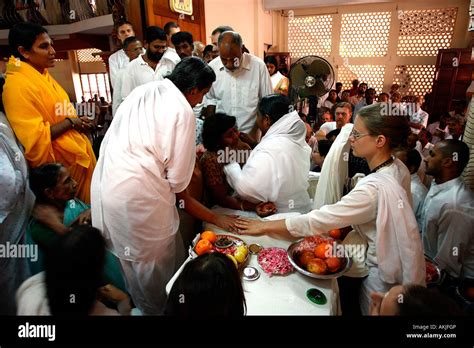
[378, 209]
[277, 169]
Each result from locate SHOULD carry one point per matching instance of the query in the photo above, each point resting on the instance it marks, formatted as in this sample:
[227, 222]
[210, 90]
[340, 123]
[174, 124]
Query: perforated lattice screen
[424, 32]
[414, 79]
[309, 35]
[364, 34]
[85, 56]
[373, 75]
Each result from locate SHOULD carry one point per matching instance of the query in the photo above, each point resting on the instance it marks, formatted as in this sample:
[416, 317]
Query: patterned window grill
[424, 32]
[414, 79]
[310, 35]
[85, 56]
[364, 34]
[373, 75]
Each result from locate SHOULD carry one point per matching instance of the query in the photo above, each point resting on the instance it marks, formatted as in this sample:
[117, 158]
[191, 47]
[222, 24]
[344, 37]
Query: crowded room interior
[218, 158]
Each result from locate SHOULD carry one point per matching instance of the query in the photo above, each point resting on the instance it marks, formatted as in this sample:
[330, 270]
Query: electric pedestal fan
[311, 77]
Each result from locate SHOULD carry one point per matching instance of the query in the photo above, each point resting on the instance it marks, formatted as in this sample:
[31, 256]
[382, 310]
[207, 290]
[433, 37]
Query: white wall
[246, 17]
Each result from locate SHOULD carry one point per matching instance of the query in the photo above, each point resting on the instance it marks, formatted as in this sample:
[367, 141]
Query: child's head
[209, 286]
[323, 149]
[74, 268]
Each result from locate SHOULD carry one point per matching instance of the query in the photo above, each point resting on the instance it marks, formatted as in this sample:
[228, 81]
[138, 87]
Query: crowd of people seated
[199, 127]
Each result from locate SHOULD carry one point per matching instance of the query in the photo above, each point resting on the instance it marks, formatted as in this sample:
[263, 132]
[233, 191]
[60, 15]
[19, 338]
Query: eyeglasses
[356, 135]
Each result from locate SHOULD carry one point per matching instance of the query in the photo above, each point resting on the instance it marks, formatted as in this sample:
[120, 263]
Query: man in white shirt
[331, 99]
[218, 31]
[154, 65]
[412, 160]
[242, 80]
[419, 117]
[342, 114]
[132, 48]
[455, 127]
[146, 157]
[170, 29]
[368, 100]
[439, 129]
[119, 60]
[424, 146]
[183, 44]
[360, 94]
[448, 211]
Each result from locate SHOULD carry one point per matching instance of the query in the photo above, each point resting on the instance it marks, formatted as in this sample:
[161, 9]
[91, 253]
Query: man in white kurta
[157, 62]
[448, 213]
[277, 169]
[139, 72]
[133, 48]
[146, 157]
[242, 80]
[119, 59]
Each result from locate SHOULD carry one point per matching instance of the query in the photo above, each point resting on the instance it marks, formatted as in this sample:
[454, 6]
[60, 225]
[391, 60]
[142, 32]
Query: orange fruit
[209, 235]
[317, 266]
[336, 234]
[305, 257]
[333, 263]
[203, 246]
[323, 250]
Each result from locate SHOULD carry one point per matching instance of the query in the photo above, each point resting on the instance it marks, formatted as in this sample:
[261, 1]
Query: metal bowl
[236, 241]
[439, 272]
[291, 256]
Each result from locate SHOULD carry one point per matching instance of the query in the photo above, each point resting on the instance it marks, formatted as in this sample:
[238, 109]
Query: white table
[277, 295]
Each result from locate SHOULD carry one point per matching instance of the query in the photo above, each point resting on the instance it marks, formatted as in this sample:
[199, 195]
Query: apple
[317, 266]
[333, 264]
[243, 249]
[239, 256]
[305, 257]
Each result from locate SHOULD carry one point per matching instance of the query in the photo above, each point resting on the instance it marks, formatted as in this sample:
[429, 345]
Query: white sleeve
[325, 127]
[179, 151]
[425, 119]
[127, 83]
[210, 97]
[9, 186]
[254, 181]
[455, 235]
[113, 69]
[357, 207]
[265, 82]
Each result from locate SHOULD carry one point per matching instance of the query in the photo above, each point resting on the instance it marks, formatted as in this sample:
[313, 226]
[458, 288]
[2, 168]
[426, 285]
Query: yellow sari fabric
[33, 103]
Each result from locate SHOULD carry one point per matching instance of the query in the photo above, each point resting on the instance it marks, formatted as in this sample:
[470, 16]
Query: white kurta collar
[245, 64]
[445, 186]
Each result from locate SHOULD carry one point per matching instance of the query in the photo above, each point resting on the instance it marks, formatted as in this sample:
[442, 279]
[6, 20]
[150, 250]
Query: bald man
[242, 80]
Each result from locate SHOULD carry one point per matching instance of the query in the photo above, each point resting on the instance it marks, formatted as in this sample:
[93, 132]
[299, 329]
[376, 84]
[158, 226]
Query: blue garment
[38, 234]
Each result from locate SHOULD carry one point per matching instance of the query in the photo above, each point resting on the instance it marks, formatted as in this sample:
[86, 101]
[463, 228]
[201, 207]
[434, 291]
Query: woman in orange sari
[39, 110]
